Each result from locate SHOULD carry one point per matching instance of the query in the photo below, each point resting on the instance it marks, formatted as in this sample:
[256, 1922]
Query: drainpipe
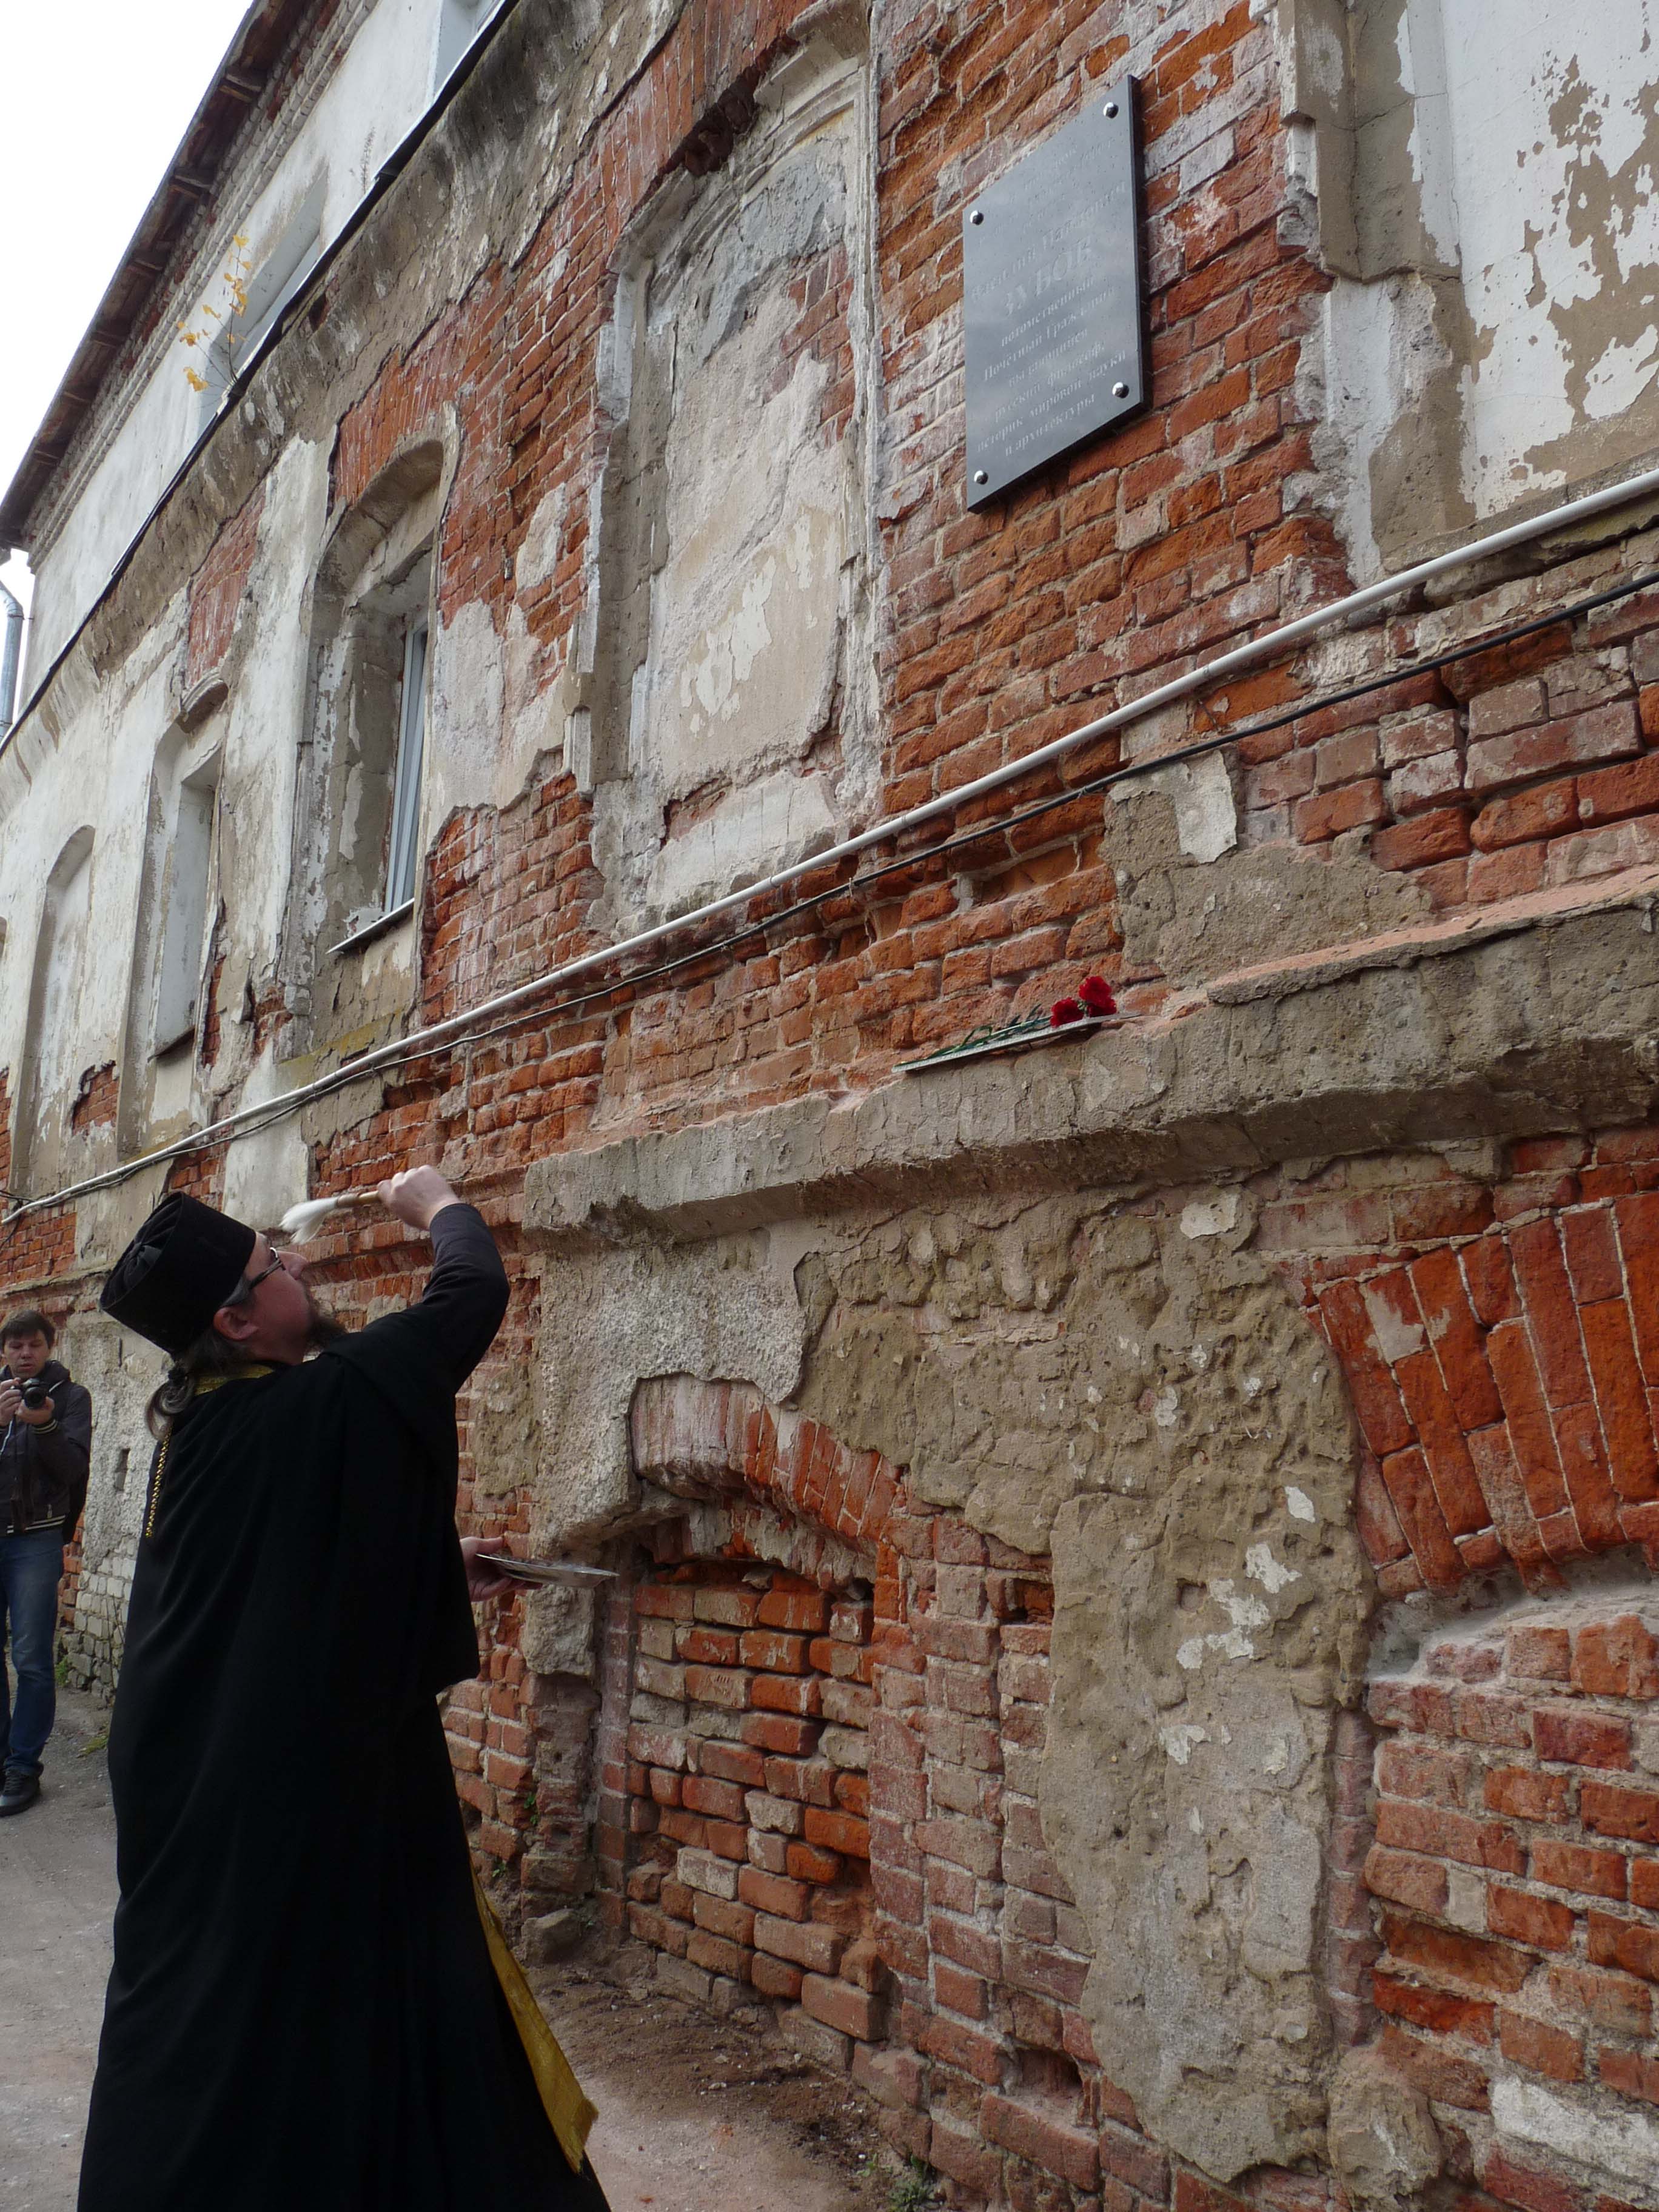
[9, 653]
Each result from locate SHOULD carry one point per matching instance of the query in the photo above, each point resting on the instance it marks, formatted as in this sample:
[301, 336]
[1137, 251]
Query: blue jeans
[31, 1568]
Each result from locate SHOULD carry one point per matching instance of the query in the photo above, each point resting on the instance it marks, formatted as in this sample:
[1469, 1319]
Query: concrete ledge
[1537, 1016]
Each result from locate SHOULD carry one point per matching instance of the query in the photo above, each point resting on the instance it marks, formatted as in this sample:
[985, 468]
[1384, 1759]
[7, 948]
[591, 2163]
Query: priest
[311, 2005]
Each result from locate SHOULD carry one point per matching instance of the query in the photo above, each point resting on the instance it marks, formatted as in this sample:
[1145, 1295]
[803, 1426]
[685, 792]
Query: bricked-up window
[358, 868]
[730, 702]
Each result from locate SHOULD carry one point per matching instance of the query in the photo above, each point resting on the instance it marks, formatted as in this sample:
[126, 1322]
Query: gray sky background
[94, 96]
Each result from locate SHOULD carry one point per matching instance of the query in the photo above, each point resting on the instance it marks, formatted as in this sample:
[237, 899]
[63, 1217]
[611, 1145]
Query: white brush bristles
[300, 1223]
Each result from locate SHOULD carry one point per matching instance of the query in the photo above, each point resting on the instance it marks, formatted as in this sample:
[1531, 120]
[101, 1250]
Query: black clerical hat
[178, 1271]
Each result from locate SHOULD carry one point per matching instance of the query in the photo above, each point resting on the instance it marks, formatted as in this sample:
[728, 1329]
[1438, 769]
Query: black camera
[35, 1394]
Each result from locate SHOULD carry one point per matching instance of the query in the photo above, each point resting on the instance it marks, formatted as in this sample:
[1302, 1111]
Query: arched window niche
[54, 1052]
[359, 817]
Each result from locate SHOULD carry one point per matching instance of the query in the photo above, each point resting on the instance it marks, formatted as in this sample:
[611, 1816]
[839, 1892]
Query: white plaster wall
[1486, 189]
[375, 94]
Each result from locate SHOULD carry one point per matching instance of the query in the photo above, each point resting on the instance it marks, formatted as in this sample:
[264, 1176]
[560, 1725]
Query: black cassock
[303, 2014]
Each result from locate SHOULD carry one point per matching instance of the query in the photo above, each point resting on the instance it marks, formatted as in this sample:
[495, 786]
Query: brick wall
[216, 591]
[1500, 1341]
[1516, 1871]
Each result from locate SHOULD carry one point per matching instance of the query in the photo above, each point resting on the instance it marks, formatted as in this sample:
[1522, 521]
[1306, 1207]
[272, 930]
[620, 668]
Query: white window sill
[371, 930]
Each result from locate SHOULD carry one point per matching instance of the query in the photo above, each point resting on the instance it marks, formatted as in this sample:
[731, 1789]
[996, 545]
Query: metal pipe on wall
[1266, 646]
[10, 654]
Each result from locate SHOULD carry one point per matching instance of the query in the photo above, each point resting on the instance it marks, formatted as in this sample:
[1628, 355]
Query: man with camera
[45, 1443]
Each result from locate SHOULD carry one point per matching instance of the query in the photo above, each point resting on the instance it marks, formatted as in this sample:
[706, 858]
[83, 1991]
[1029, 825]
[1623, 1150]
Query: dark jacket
[44, 1470]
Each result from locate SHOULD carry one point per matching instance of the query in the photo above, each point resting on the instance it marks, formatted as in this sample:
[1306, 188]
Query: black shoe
[20, 1792]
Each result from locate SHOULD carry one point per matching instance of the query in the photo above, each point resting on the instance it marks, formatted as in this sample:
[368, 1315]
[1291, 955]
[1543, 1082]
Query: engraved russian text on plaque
[1053, 298]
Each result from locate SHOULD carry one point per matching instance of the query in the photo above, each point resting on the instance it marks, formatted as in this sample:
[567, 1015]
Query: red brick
[723, 1686]
[1611, 2001]
[968, 2049]
[1434, 2009]
[838, 1831]
[1411, 1492]
[774, 1651]
[708, 1647]
[1440, 1833]
[1071, 2153]
[722, 1800]
[801, 1694]
[857, 2012]
[1633, 1461]
[1448, 2077]
[1638, 1218]
[803, 1943]
[1568, 1734]
[807, 1862]
[1592, 1253]
[1542, 1655]
[1539, 1920]
[718, 1956]
[730, 1608]
[722, 1917]
[1451, 1956]
[1531, 1435]
[1616, 1659]
[1601, 733]
[1376, 1400]
[1528, 2187]
[778, 1732]
[731, 1762]
[771, 1892]
[1576, 1867]
[1456, 1338]
[1540, 2048]
[1612, 1811]
[776, 1978]
[1407, 1879]
[1632, 2073]
[1627, 1943]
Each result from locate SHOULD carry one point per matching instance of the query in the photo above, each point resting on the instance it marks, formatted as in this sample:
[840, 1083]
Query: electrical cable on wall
[456, 1033]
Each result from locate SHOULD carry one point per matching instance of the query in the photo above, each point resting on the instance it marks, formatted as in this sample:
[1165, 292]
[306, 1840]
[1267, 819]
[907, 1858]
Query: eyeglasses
[254, 1281]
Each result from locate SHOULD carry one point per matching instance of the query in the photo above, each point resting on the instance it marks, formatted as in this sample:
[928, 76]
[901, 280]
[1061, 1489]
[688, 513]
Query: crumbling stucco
[1135, 1392]
[1481, 181]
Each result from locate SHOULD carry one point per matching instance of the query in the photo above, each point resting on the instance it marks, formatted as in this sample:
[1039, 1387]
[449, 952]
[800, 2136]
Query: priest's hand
[416, 1195]
[482, 1582]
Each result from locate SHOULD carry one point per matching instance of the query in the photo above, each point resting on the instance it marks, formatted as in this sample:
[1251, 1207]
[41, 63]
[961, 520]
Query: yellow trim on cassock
[569, 2111]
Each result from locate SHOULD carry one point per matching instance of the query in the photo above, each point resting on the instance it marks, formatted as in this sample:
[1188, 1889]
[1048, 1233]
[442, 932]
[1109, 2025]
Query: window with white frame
[402, 849]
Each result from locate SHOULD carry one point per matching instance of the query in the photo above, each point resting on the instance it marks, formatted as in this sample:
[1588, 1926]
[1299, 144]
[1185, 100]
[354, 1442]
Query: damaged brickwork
[1133, 1633]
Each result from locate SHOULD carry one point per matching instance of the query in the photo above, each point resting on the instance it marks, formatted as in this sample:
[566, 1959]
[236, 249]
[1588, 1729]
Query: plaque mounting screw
[1119, 391]
[1111, 111]
[977, 216]
[981, 477]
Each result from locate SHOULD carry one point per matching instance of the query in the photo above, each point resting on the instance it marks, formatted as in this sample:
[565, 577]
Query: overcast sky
[94, 95]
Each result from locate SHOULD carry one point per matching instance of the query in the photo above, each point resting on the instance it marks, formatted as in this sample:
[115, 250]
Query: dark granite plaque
[1053, 297]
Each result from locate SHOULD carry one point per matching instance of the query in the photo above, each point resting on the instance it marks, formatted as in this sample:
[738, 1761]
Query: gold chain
[155, 1484]
[215, 1382]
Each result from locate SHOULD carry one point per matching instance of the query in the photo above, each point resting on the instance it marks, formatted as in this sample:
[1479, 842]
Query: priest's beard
[322, 1328]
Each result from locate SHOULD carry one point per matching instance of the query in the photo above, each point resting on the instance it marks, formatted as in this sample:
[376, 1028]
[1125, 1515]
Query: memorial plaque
[1054, 328]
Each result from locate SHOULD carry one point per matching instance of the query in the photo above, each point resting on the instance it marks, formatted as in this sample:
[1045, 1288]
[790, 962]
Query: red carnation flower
[1064, 1011]
[1096, 992]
